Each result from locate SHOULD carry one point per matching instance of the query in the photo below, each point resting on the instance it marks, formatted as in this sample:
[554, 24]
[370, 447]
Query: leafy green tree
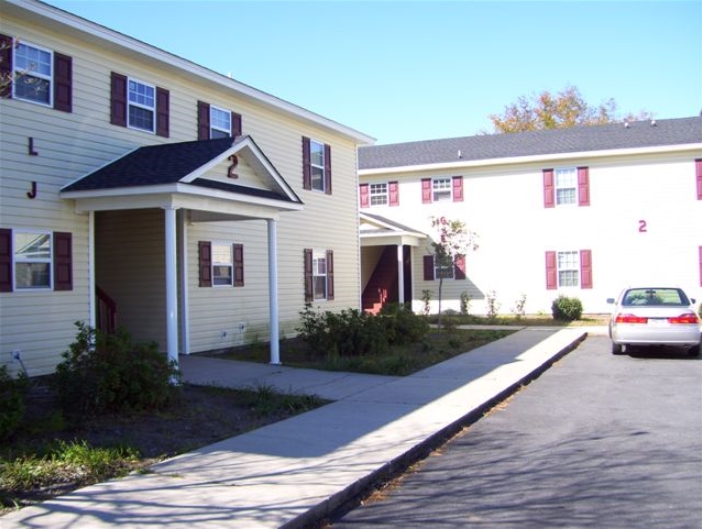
[566, 109]
[452, 238]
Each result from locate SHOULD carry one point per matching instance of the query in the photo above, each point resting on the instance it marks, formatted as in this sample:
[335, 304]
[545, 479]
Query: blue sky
[413, 70]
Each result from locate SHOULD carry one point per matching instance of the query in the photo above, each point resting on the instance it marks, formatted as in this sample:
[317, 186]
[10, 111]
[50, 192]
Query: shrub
[493, 307]
[465, 303]
[13, 392]
[426, 302]
[108, 373]
[519, 305]
[566, 308]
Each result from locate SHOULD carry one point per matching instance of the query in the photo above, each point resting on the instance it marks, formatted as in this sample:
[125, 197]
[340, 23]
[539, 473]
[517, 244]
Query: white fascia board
[531, 159]
[131, 45]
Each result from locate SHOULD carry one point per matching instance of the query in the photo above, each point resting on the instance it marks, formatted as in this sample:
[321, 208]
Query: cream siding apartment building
[141, 190]
[579, 212]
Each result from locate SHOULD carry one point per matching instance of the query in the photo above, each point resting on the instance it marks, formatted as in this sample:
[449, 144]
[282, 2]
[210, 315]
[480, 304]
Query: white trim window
[317, 165]
[141, 98]
[34, 74]
[378, 194]
[568, 269]
[444, 271]
[220, 122]
[222, 265]
[566, 183]
[319, 274]
[441, 188]
[32, 260]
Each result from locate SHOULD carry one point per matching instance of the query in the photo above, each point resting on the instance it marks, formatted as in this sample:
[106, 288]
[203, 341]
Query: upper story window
[33, 73]
[139, 105]
[316, 166]
[378, 194]
[216, 122]
[36, 74]
[566, 186]
[142, 105]
[442, 189]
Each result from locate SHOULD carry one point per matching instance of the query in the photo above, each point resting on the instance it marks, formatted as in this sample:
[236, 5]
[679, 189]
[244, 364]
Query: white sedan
[654, 316]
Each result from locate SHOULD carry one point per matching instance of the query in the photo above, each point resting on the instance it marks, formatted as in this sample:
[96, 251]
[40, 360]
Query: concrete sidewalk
[294, 472]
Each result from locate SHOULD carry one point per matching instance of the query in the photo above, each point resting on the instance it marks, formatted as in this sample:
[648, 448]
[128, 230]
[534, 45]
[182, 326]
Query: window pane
[320, 287]
[141, 94]
[32, 275]
[222, 274]
[316, 154]
[566, 186]
[568, 278]
[141, 118]
[33, 88]
[317, 176]
[441, 188]
[378, 194]
[32, 60]
[220, 122]
[565, 196]
[32, 246]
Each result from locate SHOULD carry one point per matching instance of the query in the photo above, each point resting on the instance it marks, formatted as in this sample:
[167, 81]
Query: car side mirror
[693, 301]
[610, 301]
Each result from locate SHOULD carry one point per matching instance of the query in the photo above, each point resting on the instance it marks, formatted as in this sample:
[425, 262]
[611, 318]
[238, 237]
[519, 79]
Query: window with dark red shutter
[308, 275]
[5, 65]
[205, 263]
[330, 274]
[585, 269]
[394, 193]
[162, 112]
[63, 261]
[583, 186]
[457, 185]
[238, 265]
[236, 124]
[459, 267]
[364, 193]
[306, 167]
[426, 190]
[6, 260]
[63, 80]
[118, 99]
[428, 264]
[327, 170]
[549, 189]
[203, 120]
[551, 271]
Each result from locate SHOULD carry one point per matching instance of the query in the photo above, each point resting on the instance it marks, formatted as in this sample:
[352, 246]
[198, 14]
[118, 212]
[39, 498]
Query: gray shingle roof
[638, 134]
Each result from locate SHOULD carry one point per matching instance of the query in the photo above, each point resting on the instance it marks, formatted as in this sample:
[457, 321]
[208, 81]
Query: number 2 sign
[643, 228]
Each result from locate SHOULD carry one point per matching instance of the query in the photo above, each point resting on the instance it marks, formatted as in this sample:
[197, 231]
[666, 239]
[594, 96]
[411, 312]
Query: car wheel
[616, 349]
[694, 351]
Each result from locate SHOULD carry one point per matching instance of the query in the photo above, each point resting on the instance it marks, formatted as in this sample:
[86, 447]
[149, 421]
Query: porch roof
[376, 230]
[172, 174]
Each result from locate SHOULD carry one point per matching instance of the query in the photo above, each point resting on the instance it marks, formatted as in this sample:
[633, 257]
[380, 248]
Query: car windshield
[666, 297]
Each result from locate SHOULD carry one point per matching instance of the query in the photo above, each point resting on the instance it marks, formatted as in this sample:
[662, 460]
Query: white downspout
[171, 286]
[400, 275]
[184, 293]
[273, 290]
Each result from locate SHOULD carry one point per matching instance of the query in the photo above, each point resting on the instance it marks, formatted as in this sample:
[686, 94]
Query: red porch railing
[106, 312]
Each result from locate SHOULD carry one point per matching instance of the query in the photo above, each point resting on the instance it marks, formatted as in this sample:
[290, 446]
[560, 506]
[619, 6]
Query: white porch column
[171, 286]
[400, 274]
[273, 290]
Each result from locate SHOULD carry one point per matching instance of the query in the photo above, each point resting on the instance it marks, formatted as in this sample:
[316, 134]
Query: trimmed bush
[565, 308]
[113, 375]
[13, 392]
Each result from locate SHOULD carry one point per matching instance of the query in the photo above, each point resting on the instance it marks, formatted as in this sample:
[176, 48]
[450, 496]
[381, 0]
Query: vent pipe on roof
[459, 154]
[653, 123]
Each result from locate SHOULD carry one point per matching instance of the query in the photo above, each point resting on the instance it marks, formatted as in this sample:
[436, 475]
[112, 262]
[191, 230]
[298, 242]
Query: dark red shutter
[426, 190]
[549, 191]
[6, 66]
[63, 261]
[63, 81]
[698, 173]
[162, 112]
[205, 263]
[236, 124]
[394, 193]
[118, 99]
[585, 269]
[6, 260]
[428, 263]
[364, 192]
[551, 271]
[203, 120]
[583, 186]
[238, 265]
[459, 267]
[330, 274]
[327, 170]
[309, 276]
[457, 182]
[306, 167]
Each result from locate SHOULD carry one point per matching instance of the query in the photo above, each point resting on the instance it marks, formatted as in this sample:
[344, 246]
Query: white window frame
[447, 271]
[378, 194]
[19, 72]
[568, 264]
[20, 260]
[140, 105]
[565, 181]
[214, 127]
[317, 258]
[222, 264]
[317, 172]
[441, 189]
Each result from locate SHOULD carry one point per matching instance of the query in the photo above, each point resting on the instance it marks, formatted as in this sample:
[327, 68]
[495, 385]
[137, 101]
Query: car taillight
[629, 318]
[688, 317]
